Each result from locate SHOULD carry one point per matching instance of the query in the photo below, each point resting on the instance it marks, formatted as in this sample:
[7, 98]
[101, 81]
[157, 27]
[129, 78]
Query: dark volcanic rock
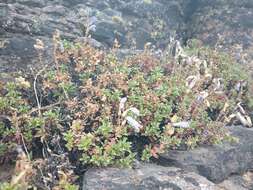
[221, 23]
[148, 177]
[133, 22]
[225, 24]
[218, 162]
[238, 182]
[18, 52]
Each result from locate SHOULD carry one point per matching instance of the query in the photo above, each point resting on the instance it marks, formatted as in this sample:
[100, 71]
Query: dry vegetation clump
[90, 109]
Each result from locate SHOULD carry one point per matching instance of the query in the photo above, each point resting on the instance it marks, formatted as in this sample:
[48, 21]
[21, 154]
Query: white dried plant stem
[134, 124]
[122, 105]
[182, 124]
[246, 121]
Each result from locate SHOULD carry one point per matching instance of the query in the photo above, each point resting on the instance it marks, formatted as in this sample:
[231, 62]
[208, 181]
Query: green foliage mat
[90, 109]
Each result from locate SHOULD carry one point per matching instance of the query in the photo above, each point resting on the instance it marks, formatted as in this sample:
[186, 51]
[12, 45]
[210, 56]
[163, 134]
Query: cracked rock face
[210, 167]
[133, 23]
[227, 25]
[148, 177]
[221, 23]
[217, 162]
[238, 182]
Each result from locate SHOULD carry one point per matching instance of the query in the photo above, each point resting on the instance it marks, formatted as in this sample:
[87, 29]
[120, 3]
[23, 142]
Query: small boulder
[18, 53]
[238, 182]
[147, 177]
[217, 162]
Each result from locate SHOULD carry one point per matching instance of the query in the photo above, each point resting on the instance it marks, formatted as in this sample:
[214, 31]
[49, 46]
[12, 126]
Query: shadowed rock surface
[216, 163]
[133, 23]
[221, 23]
[148, 177]
[226, 164]
[238, 182]
[18, 53]
[225, 24]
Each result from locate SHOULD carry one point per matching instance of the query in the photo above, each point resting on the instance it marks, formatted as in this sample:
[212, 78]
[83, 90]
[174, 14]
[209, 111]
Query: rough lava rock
[147, 177]
[226, 25]
[238, 182]
[221, 23]
[133, 22]
[218, 162]
[18, 53]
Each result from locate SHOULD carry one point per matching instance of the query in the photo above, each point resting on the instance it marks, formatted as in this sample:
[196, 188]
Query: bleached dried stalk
[122, 105]
[245, 120]
[182, 124]
[133, 123]
[134, 110]
[128, 119]
[36, 93]
[191, 81]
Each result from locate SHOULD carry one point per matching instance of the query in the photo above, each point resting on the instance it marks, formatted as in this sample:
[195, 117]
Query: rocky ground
[218, 23]
[132, 23]
[226, 25]
[221, 167]
[223, 24]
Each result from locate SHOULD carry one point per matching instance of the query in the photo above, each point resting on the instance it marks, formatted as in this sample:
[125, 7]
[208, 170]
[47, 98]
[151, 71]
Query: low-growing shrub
[93, 110]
